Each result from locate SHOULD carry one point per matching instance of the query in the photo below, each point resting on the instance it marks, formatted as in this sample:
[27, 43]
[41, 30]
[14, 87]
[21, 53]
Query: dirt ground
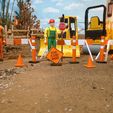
[64, 89]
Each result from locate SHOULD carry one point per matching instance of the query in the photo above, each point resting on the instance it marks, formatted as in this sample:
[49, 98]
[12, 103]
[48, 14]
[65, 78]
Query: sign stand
[62, 27]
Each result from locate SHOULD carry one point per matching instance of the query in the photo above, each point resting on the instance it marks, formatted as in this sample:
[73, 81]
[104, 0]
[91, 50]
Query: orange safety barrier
[17, 41]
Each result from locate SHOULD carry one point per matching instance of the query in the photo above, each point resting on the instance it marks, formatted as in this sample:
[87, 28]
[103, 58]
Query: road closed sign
[54, 55]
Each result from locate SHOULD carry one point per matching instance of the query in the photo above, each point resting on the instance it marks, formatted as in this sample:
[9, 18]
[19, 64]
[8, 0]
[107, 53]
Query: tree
[5, 11]
[12, 9]
[25, 14]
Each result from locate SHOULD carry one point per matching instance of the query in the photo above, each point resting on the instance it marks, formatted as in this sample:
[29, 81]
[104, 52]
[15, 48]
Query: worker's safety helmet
[51, 21]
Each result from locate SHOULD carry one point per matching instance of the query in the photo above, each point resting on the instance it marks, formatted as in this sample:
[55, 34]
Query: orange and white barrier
[17, 41]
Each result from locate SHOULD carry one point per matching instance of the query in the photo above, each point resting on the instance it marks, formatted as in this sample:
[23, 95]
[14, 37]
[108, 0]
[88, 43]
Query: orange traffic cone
[20, 61]
[74, 44]
[102, 49]
[34, 52]
[90, 63]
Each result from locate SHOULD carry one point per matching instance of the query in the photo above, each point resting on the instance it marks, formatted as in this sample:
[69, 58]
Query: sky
[47, 9]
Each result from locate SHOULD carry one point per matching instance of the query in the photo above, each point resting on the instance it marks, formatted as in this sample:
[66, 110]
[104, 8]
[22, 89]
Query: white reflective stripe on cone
[102, 40]
[33, 47]
[33, 41]
[74, 41]
[102, 47]
[74, 47]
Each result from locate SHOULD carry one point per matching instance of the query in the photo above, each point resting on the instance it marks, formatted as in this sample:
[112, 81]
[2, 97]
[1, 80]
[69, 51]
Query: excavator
[70, 31]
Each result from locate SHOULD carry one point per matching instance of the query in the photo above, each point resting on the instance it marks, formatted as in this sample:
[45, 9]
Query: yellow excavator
[70, 31]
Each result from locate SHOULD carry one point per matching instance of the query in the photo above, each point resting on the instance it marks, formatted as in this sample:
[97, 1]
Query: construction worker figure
[1, 42]
[51, 34]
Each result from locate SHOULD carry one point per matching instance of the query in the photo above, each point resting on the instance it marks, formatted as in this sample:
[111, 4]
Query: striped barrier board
[17, 41]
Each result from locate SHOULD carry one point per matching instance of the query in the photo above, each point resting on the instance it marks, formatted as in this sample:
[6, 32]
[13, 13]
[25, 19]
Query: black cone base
[33, 62]
[74, 62]
[102, 62]
[58, 64]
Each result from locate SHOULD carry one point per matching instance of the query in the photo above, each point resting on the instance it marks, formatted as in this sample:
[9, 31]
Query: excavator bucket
[67, 49]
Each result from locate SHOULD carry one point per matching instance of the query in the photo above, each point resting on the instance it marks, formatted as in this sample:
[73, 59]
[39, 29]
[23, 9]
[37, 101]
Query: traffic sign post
[62, 27]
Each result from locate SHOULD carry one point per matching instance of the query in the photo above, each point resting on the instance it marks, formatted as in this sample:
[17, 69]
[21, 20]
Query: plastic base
[20, 65]
[74, 62]
[90, 66]
[58, 64]
[102, 62]
[33, 62]
[111, 52]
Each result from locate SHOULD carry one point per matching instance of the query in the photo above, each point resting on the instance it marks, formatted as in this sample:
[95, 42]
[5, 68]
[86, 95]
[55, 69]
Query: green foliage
[24, 14]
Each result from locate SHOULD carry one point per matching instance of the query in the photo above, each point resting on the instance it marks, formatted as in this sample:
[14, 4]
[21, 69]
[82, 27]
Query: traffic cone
[74, 43]
[102, 55]
[90, 63]
[34, 52]
[20, 61]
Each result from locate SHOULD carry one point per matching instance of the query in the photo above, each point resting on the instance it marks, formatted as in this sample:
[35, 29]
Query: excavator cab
[95, 28]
